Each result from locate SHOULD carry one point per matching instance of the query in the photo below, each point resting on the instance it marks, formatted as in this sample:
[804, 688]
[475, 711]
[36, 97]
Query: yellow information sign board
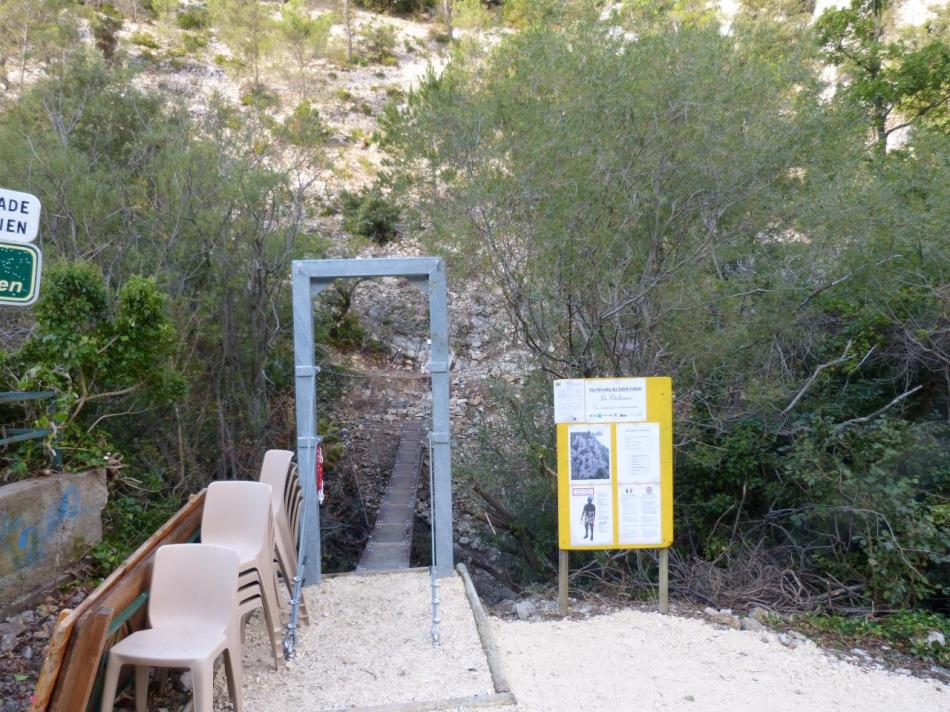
[614, 462]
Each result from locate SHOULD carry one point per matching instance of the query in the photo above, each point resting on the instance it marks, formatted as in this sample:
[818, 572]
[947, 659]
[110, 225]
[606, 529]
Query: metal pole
[564, 562]
[305, 378]
[433, 578]
[664, 580]
[441, 429]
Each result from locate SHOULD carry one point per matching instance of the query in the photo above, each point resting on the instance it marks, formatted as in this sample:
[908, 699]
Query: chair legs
[141, 688]
[113, 668]
[272, 613]
[232, 665]
[271, 623]
[202, 679]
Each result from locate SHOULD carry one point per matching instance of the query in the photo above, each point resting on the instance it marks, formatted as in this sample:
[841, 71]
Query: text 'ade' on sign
[19, 216]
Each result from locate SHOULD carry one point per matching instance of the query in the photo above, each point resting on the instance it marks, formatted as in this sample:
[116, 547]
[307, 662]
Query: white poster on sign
[569, 401]
[639, 514]
[589, 457]
[19, 216]
[592, 520]
[615, 400]
[638, 452]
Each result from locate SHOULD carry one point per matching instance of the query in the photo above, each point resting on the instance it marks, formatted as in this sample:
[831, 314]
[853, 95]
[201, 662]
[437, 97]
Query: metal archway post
[310, 277]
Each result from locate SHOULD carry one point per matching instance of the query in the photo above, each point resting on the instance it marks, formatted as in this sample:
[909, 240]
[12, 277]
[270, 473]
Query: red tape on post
[319, 474]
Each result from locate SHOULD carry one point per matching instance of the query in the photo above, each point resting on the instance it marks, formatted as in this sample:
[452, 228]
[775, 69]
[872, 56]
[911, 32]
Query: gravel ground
[368, 644]
[639, 660]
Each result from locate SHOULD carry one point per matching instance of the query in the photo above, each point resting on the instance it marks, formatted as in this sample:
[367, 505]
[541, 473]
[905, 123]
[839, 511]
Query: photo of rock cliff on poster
[589, 458]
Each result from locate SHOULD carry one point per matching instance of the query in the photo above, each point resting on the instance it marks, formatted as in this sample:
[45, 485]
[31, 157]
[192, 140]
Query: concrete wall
[45, 524]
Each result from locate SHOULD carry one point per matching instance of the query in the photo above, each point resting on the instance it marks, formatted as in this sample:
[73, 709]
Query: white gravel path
[368, 644]
[634, 660]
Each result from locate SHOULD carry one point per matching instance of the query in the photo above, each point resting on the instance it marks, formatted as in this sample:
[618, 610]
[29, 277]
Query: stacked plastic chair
[238, 515]
[202, 594]
[192, 611]
[278, 471]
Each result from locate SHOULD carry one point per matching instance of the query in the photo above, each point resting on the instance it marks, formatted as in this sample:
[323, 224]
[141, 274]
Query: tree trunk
[447, 14]
[347, 20]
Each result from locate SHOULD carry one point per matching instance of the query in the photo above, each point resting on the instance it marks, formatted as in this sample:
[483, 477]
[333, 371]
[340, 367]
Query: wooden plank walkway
[390, 543]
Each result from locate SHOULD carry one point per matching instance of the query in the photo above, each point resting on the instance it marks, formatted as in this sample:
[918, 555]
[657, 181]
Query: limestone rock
[722, 617]
[525, 609]
[750, 623]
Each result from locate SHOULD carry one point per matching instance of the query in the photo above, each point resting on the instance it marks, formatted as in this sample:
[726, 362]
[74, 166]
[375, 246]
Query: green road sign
[20, 267]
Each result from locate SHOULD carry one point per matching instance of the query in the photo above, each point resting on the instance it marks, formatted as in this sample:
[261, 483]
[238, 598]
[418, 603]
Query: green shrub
[471, 15]
[368, 214]
[105, 29]
[335, 322]
[904, 631]
[377, 42]
[194, 18]
[144, 39]
[439, 34]
[527, 13]
[305, 126]
[396, 7]
[102, 354]
[259, 97]
[162, 8]
[128, 520]
[193, 42]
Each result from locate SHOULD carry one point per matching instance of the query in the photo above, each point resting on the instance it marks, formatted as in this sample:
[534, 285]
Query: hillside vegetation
[759, 209]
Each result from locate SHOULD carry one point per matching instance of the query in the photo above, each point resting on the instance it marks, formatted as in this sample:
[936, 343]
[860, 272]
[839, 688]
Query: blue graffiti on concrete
[30, 537]
[68, 508]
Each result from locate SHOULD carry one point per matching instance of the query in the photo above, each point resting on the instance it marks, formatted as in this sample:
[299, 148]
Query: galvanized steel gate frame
[310, 277]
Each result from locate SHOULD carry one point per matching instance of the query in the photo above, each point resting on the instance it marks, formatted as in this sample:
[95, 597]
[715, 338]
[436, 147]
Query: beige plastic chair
[192, 610]
[293, 504]
[293, 501]
[238, 515]
[275, 471]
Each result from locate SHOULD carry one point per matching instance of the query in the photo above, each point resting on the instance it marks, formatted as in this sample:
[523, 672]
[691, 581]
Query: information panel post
[615, 468]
